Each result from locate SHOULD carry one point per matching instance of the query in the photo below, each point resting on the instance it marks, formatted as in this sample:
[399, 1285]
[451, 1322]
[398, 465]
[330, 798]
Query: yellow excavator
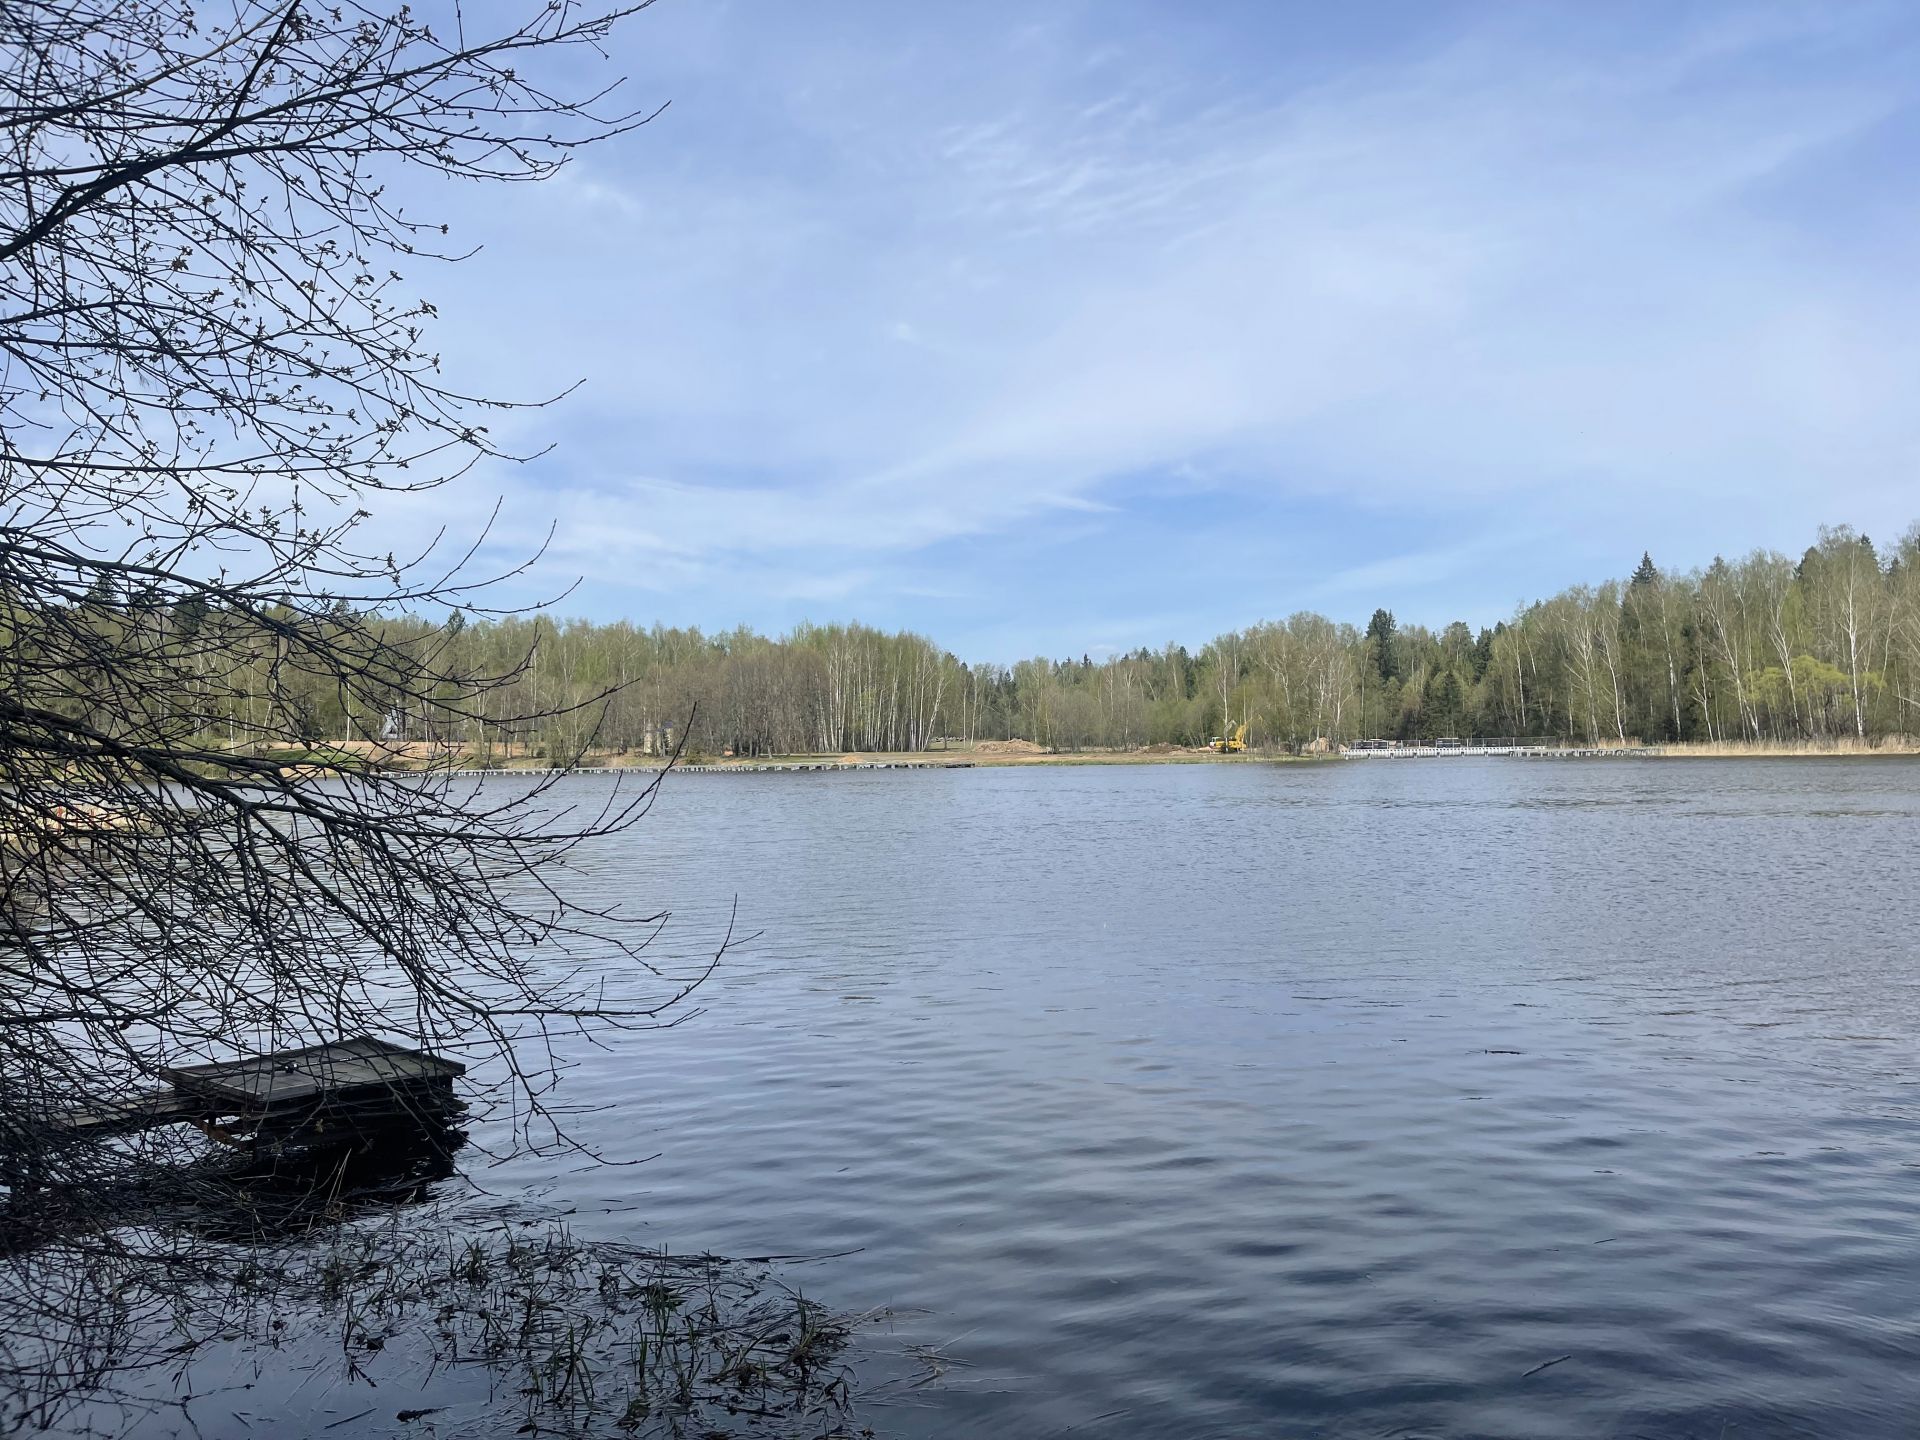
[1233, 743]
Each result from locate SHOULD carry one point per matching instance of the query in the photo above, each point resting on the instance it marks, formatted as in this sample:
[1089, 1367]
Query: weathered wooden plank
[350, 1073]
[158, 1107]
[249, 1084]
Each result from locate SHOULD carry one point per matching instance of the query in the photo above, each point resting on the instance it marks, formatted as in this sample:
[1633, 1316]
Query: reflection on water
[1309, 1100]
[116, 1292]
[269, 1197]
[1463, 1098]
[250, 1195]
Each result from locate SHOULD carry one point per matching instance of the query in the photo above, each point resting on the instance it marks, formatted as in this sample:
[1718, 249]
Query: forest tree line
[1761, 648]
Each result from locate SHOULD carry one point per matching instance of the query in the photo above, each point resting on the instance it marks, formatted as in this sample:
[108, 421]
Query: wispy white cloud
[1414, 569]
[869, 290]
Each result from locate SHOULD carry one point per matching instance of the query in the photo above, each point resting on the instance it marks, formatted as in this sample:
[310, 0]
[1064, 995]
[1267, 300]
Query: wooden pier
[1520, 750]
[319, 1095]
[753, 767]
[739, 767]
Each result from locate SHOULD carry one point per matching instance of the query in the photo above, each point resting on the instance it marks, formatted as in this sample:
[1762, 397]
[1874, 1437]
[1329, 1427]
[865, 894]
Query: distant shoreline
[1017, 754]
[960, 759]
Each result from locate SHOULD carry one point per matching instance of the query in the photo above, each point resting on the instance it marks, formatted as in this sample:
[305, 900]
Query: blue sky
[1066, 328]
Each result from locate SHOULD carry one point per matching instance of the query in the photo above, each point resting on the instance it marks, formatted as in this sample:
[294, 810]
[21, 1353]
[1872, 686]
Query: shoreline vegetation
[1760, 655]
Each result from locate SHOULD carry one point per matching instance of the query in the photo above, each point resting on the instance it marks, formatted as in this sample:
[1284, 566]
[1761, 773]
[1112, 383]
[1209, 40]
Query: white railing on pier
[1523, 749]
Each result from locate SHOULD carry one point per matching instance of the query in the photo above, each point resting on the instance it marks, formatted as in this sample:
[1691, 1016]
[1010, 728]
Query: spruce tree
[1380, 635]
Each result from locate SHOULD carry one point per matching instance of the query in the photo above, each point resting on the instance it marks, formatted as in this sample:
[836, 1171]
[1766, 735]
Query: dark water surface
[1316, 1100]
[1309, 1100]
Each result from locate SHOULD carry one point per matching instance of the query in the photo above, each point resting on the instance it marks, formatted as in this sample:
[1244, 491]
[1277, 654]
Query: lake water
[1310, 1100]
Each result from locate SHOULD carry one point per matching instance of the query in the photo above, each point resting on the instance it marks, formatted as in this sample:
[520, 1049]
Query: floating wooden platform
[318, 1093]
[319, 1072]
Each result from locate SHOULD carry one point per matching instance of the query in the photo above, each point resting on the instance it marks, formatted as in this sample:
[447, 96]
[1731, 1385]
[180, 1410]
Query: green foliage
[1380, 644]
[1759, 648]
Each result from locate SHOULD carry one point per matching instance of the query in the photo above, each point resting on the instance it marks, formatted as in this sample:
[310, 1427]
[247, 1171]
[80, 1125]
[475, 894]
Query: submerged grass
[583, 1336]
[480, 1325]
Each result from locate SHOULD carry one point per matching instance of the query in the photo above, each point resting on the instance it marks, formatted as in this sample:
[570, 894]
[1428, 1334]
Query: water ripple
[1421, 1100]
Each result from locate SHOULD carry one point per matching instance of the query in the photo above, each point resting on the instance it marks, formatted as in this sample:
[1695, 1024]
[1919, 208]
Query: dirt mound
[1009, 747]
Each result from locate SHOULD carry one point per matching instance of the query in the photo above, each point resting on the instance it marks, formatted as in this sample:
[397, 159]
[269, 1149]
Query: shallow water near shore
[1475, 1098]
